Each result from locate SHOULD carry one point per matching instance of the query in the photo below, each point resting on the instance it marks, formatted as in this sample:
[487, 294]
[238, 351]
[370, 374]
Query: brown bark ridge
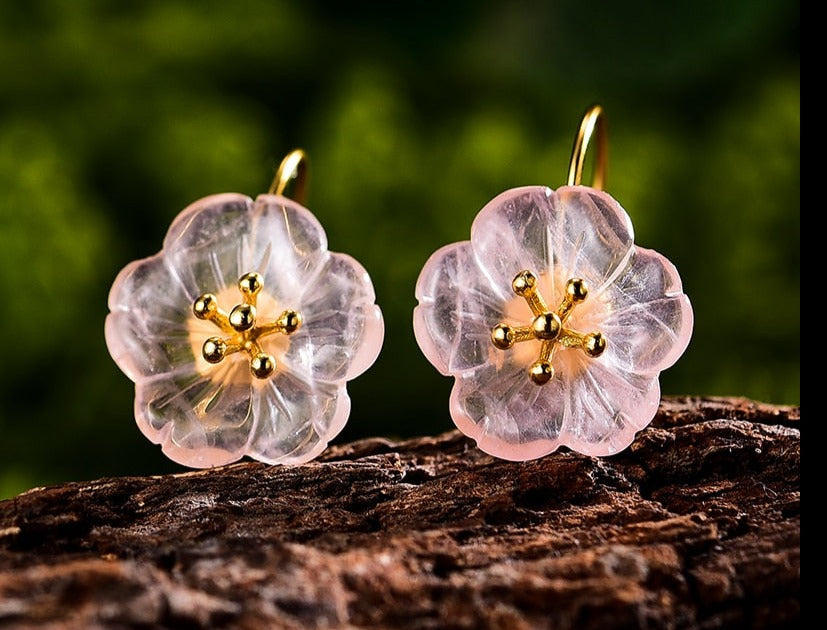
[696, 525]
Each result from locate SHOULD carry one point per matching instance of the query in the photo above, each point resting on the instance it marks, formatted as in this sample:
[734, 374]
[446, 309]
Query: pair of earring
[242, 332]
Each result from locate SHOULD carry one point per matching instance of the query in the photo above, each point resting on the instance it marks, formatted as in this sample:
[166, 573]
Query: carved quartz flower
[240, 335]
[553, 323]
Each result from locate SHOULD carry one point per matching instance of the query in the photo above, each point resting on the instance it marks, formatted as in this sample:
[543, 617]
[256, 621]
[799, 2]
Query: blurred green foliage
[114, 116]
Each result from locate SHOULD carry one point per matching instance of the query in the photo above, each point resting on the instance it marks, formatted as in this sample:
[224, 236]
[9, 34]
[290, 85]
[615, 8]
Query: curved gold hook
[594, 118]
[292, 167]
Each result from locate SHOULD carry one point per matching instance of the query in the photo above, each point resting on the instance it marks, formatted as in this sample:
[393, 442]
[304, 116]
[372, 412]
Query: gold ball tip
[594, 344]
[523, 282]
[214, 349]
[243, 317]
[541, 372]
[290, 321]
[577, 289]
[262, 365]
[502, 336]
[547, 326]
[250, 283]
[204, 305]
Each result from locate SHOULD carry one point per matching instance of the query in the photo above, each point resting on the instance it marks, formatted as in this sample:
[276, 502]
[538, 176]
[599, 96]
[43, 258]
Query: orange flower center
[548, 326]
[243, 330]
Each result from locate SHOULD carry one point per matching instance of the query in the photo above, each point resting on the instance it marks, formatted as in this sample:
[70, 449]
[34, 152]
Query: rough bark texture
[697, 525]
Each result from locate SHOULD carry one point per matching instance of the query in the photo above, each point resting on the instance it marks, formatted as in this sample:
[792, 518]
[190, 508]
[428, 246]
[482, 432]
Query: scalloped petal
[457, 309]
[207, 246]
[577, 230]
[344, 335]
[607, 407]
[509, 416]
[649, 319]
[199, 420]
[145, 331]
[295, 420]
[288, 248]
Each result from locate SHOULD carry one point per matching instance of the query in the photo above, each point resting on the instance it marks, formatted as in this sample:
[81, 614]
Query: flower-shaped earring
[553, 323]
[241, 333]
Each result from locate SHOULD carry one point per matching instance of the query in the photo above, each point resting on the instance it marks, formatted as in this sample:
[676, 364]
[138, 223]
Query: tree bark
[696, 525]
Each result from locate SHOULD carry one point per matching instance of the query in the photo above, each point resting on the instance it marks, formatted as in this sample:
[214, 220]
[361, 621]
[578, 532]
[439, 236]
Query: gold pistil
[548, 326]
[242, 326]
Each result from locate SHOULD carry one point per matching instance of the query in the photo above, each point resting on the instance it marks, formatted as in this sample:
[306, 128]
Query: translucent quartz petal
[511, 233]
[207, 245]
[576, 232]
[288, 248]
[457, 309]
[594, 235]
[295, 420]
[590, 406]
[199, 420]
[647, 316]
[145, 330]
[344, 335]
[509, 416]
[607, 407]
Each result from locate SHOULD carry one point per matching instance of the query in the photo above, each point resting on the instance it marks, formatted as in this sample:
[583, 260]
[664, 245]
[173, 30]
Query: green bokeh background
[115, 116]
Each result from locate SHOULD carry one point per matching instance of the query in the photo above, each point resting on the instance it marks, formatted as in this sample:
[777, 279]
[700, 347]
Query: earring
[241, 333]
[553, 323]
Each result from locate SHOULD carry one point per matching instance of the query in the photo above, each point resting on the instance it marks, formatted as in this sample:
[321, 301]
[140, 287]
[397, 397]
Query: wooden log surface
[696, 525]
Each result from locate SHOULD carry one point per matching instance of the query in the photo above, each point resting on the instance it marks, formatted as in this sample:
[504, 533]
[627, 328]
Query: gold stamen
[595, 344]
[547, 326]
[576, 292]
[541, 371]
[214, 349]
[290, 321]
[504, 336]
[243, 317]
[206, 307]
[250, 284]
[525, 285]
[571, 339]
[243, 326]
[262, 365]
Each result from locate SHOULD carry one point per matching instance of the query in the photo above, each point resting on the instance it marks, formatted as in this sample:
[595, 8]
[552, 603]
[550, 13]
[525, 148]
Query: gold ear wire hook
[593, 119]
[292, 167]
